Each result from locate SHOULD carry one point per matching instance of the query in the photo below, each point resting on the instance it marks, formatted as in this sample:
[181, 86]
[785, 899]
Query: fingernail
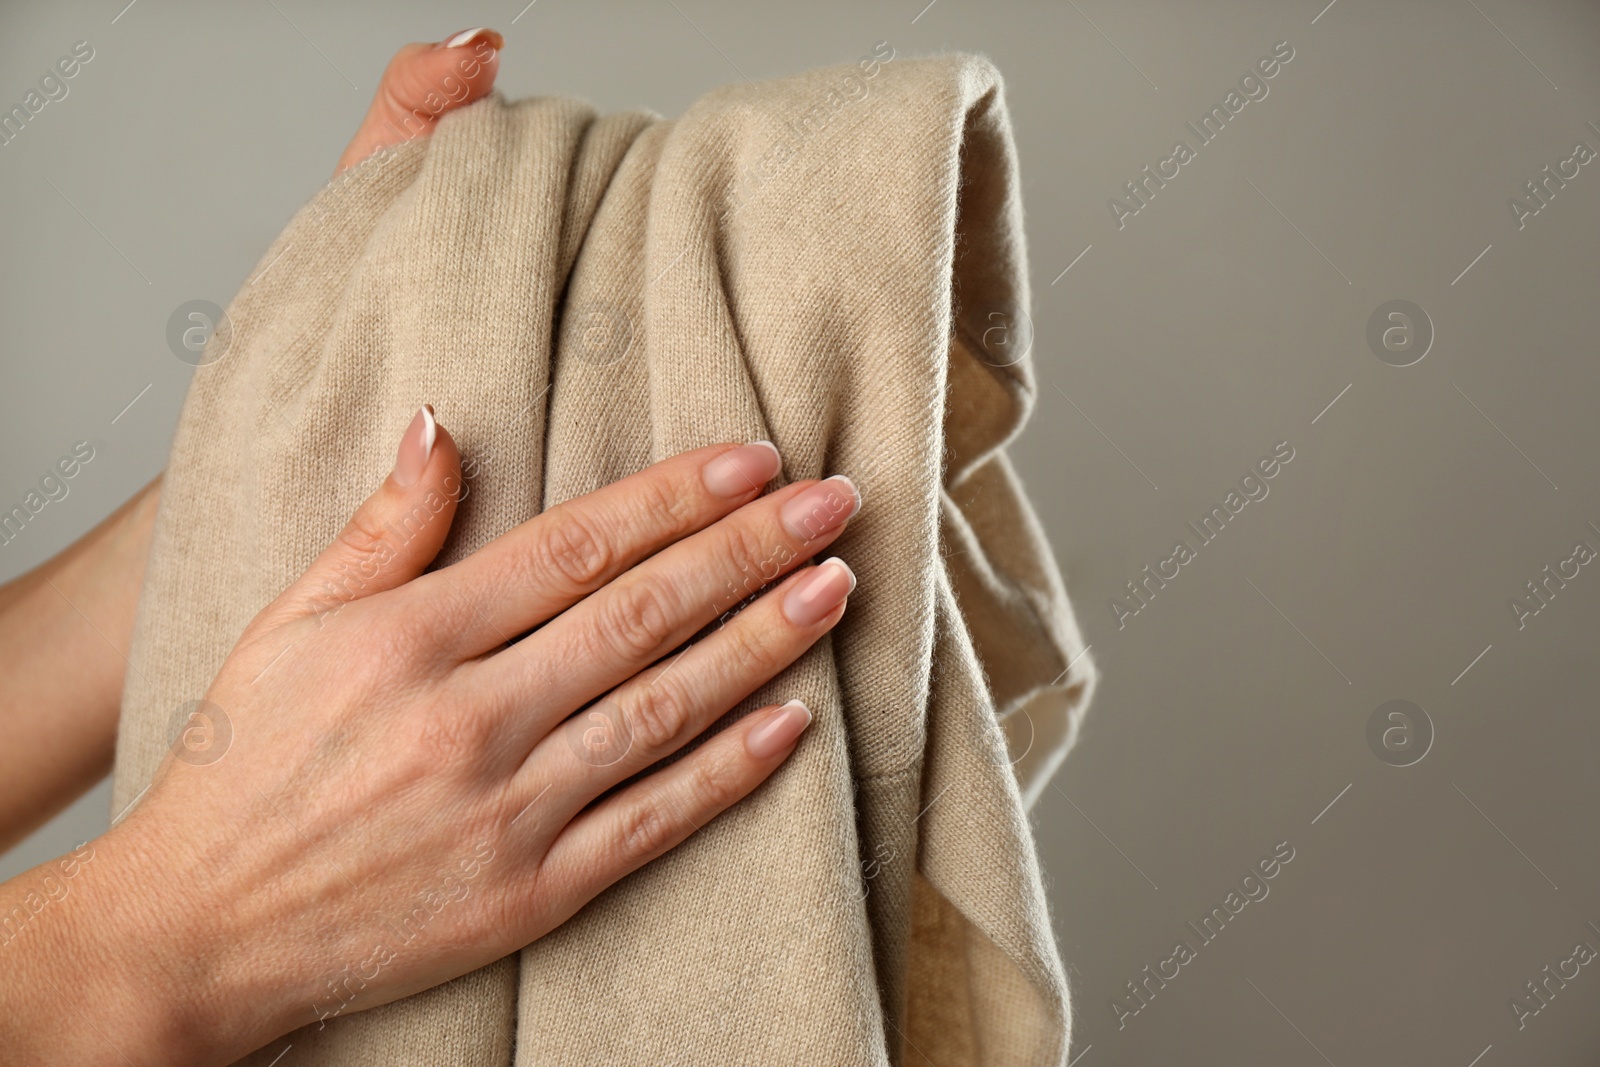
[415, 448]
[783, 726]
[819, 592]
[466, 37]
[823, 507]
[742, 470]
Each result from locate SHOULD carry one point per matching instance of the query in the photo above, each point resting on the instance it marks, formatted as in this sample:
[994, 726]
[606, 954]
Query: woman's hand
[422, 82]
[386, 786]
[416, 771]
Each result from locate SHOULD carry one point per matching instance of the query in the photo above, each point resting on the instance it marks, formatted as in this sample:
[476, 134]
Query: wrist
[70, 995]
[174, 964]
[112, 964]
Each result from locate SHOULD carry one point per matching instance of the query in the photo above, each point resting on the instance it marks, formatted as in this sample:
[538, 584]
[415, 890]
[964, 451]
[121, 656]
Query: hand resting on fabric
[418, 771]
[422, 770]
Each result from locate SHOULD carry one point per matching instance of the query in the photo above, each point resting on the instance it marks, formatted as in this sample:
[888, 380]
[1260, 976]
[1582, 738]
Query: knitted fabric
[834, 262]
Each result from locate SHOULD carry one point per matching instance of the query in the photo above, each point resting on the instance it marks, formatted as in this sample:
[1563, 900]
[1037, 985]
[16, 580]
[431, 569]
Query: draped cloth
[834, 262]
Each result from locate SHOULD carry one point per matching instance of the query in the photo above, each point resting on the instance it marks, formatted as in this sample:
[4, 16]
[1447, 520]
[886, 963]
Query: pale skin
[419, 775]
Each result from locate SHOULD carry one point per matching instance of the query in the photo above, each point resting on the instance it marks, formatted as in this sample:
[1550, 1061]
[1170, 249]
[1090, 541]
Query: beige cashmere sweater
[833, 261]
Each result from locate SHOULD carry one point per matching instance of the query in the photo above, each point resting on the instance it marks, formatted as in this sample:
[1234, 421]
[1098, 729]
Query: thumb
[395, 533]
[422, 82]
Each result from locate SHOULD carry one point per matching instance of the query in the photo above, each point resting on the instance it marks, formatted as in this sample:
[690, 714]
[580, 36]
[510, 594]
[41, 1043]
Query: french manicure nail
[783, 726]
[466, 37]
[742, 470]
[823, 507]
[415, 448]
[819, 592]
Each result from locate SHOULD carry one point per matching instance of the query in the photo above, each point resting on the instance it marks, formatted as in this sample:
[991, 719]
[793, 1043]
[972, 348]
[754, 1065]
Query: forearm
[90, 962]
[65, 627]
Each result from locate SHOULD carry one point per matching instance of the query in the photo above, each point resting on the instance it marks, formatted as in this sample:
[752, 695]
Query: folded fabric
[834, 262]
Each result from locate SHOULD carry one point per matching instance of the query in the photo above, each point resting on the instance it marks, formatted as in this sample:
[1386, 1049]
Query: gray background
[1221, 320]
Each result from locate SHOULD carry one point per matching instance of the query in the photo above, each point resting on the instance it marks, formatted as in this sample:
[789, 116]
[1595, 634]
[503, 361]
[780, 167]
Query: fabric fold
[833, 261]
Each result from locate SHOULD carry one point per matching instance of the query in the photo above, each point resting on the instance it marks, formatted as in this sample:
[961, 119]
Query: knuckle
[645, 831]
[363, 535]
[637, 617]
[749, 650]
[659, 717]
[662, 507]
[715, 785]
[404, 636]
[749, 563]
[438, 608]
[574, 548]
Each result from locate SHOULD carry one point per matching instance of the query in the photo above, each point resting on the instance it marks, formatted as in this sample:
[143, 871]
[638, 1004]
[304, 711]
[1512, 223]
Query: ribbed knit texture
[833, 261]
